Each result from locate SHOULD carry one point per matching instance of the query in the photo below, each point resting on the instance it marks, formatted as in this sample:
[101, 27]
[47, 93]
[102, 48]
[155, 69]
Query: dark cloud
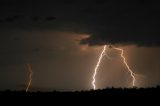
[148, 40]
[51, 18]
[17, 17]
[35, 18]
[11, 18]
[124, 24]
[108, 22]
[17, 38]
[25, 19]
[45, 19]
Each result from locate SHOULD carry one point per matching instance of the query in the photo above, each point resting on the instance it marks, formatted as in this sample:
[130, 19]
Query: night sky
[62, 41]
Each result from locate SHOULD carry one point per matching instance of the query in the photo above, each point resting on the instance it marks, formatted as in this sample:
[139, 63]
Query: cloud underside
[112, 22]
[118, 39]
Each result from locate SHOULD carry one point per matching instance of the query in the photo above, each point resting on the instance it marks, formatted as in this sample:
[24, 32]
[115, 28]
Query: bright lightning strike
[103, 53]
[126, 64]
[30, 77]
[96, 68]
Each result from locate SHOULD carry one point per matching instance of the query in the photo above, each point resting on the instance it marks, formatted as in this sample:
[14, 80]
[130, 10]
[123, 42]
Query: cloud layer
[112, 22]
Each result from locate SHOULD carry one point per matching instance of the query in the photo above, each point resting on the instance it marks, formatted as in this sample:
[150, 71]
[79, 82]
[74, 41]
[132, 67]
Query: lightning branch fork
[103, 53]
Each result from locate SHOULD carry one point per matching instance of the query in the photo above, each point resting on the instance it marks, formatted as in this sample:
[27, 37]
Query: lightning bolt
[30, 77]
[97, 66]
[126, 64]
[103, 53]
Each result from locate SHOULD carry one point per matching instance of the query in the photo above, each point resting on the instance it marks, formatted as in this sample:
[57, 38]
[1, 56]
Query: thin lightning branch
[30, 77]
[126, 64]
[97, 66]
[107, 53]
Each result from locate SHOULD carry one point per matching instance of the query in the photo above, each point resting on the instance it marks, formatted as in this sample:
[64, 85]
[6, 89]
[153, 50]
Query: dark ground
[105, 96]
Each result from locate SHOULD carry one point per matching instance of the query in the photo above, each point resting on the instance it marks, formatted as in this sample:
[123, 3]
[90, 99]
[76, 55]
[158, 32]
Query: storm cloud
[47, 33]
[107, 22]
[134, 23]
